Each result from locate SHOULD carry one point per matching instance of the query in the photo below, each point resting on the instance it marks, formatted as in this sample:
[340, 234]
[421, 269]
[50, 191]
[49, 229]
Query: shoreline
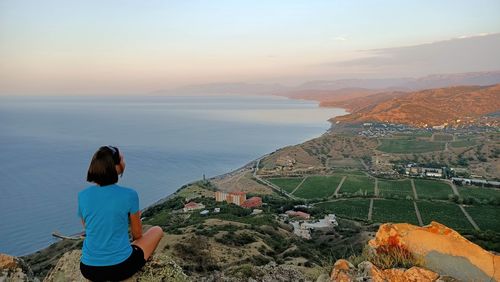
[236, 170]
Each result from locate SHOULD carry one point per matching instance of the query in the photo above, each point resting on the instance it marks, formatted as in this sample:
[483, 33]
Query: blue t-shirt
[105, 211]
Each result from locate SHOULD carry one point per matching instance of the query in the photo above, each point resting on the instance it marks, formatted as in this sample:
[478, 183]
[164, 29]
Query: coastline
[246, 166]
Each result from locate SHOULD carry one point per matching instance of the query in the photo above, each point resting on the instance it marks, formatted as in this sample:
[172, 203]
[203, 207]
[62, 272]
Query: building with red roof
[191, 206]
[252, 202]
[300, 214]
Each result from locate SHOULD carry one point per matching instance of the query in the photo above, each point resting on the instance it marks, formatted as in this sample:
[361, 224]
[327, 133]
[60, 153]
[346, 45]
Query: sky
[119, 46]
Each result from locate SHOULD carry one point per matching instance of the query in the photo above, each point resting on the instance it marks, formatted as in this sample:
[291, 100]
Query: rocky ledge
[442, 252]
[158, 268]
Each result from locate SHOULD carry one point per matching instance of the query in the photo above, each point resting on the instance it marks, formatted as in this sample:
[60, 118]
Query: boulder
[15, 269]
[159, 268]
[442, 249]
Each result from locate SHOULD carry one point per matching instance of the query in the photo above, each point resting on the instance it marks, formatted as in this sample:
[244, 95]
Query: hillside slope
[452, 105]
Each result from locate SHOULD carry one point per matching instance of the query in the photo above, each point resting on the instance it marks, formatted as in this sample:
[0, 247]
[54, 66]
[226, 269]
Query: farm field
[286, 183]
[485, 216]
[394, 211]
[478, 192]
[431, 189]
[400, 188]
[350, 208]
[445, 213]
[463, 143]
[358, 183]
[403, 146]
[318, 187]
[443, 137]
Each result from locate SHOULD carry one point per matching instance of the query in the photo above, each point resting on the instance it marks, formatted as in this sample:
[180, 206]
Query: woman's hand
[136, 225]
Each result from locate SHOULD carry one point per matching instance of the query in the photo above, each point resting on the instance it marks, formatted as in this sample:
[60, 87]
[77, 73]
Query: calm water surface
[46, 144]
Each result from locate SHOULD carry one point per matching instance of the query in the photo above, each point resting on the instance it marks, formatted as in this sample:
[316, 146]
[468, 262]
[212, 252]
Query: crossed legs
[149, 240]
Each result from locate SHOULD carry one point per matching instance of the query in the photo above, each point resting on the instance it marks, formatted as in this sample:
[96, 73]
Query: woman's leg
[149, 241]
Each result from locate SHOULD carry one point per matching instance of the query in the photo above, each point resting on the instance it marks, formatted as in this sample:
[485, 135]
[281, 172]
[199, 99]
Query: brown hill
[433, 107]
[360, 103]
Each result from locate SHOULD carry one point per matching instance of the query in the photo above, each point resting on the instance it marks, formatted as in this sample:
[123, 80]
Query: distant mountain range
[324, 90]
[432, 100]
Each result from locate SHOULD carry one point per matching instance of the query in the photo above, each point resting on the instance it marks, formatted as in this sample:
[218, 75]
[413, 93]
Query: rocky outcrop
[158, 268]
[344, 271]
[442, 249]
[14, 269]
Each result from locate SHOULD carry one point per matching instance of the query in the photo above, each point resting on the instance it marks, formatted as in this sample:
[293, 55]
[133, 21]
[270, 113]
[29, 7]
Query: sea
[46, 144]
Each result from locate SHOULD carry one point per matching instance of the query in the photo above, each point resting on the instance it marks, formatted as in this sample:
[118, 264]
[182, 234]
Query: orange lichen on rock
[342, 271]
[366, 271]
[442, 249]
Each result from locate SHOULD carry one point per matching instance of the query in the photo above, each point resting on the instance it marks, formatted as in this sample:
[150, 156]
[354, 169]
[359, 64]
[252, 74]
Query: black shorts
[116, 272]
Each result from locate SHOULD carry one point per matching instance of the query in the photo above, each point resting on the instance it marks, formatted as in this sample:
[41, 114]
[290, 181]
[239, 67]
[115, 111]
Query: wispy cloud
[340, 38]
[471, 53]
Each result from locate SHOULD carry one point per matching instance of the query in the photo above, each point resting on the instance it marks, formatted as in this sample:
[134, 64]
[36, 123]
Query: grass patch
[402, 146]
[395, 188]
[430, 189]
[385, 257]
[446, 213]
[394, 211]
[286, 183]
[318, 187]
[485, 216]
[358, 185]
[349, 208]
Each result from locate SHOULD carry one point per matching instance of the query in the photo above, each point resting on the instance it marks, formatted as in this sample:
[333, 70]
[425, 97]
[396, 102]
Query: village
[303, 223]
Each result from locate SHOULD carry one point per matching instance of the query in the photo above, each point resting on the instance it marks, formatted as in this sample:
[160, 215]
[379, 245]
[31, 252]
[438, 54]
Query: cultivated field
[478, 193]
[463, 143]
[485, 216]
[402, 146]
[358, 184]
[448, 214]
[400, 188]
[318, 187]
[286, 183]
[443, 137]
[394, 211]
[431, 189]
[349, 208]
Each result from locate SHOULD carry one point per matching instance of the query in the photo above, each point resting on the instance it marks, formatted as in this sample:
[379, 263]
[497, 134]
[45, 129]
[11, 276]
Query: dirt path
[417, 212]
[414, 189]
[269, 184]
[370, 210]
[467, 215]
[364, 164]
[300, 184]
[339, 186]
[454, 188]
[376, 187]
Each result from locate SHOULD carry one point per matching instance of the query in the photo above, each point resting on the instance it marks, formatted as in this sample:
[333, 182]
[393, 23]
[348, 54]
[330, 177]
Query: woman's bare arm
[136, 225]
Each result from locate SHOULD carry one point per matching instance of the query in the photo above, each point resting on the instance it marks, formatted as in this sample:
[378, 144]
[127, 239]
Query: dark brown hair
[102, 167]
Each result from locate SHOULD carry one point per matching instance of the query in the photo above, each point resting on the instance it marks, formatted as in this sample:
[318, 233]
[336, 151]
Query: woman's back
[105, 211]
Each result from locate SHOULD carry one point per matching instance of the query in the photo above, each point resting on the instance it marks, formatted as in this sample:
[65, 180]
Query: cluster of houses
[372, 130]
[303, 226]
[415, 170]
[237, 198]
